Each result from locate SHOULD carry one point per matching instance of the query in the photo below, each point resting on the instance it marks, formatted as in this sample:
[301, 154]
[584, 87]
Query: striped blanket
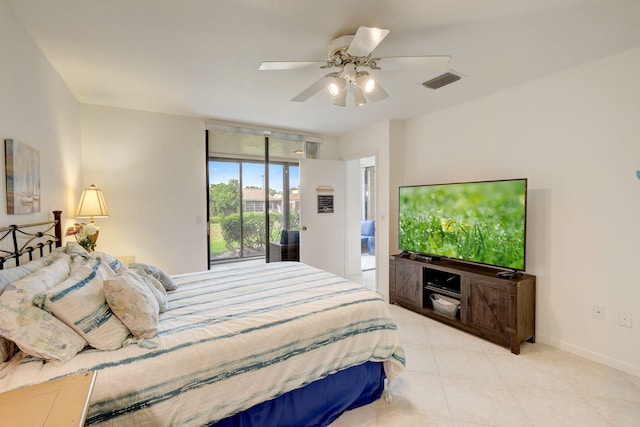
[231, 338]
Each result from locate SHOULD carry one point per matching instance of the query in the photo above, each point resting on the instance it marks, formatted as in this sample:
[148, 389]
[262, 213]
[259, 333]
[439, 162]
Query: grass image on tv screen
[482, 222]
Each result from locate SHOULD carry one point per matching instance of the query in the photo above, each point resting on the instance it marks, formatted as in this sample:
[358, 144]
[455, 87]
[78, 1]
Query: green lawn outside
[217, 245]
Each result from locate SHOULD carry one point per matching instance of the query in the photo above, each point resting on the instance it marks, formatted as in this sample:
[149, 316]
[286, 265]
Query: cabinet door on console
[408, 283]
[489, 307]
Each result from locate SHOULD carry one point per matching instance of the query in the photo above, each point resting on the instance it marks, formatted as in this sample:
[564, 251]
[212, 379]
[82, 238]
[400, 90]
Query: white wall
[375, 141]
[37, 109]
[152, 169]
[329, 148]
[575, 135]
[353, 207]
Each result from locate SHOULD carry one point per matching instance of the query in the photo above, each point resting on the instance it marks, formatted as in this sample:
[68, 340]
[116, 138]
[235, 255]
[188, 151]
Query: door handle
[304, 228]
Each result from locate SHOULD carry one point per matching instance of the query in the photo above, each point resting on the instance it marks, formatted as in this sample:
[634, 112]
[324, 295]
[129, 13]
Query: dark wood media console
[498, 309]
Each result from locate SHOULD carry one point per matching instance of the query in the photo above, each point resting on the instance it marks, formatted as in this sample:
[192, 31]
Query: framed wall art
[22, 169]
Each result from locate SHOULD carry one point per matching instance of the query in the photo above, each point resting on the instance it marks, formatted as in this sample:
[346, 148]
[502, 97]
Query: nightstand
[60, 402]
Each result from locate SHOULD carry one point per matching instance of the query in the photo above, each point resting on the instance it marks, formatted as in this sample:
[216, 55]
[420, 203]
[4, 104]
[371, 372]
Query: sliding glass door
[253, 194]
[236, 209]
[253, 213]
[284, 208]
[238, 206]
[224, 209]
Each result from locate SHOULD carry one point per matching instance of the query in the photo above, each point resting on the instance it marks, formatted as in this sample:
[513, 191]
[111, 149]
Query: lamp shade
[92, 204]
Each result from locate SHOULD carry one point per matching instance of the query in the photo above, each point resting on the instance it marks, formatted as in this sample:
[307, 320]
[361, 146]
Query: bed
[279, 344]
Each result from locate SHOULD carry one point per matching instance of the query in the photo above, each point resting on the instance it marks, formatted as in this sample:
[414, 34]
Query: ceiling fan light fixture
[336, 86]
[358, 96]
[349, 54]
[370, 85]
[334, 90]
[341, 99]
[366, 82]
[350, 72]
[377, 94]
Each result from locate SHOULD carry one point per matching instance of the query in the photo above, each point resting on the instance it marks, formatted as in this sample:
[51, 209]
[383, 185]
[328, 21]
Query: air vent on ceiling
[443, 80]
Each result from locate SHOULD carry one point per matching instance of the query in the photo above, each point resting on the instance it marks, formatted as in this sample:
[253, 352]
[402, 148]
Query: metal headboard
[26, 239]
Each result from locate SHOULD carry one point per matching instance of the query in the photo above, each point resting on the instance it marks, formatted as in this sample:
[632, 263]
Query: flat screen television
[478, 222]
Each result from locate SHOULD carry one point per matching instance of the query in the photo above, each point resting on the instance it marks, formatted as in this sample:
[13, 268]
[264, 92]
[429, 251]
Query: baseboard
[588, 354]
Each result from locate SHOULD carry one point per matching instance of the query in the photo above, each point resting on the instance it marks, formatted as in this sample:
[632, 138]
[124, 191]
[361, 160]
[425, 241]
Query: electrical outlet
[598, 312]
[624, 319]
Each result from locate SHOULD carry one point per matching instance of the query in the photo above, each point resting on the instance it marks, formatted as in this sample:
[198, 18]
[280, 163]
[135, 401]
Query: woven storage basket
[445, 305]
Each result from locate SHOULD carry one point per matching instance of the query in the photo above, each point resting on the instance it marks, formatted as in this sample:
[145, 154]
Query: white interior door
[322, 214]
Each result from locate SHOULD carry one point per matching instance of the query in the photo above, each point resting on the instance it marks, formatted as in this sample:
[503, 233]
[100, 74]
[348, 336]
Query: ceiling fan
[350, 54]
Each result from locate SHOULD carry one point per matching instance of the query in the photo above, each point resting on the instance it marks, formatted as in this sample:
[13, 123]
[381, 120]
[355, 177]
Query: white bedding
[231, 338]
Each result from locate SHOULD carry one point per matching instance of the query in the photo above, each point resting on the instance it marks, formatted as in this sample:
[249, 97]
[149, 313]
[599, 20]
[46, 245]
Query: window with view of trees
[237, 201]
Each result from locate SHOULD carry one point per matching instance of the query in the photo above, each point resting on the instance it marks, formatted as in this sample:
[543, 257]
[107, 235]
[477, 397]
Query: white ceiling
[201, 57]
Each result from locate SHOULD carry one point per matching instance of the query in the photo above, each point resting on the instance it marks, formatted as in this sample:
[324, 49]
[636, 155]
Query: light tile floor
[367, 262]
[455, 379]
[368, 279]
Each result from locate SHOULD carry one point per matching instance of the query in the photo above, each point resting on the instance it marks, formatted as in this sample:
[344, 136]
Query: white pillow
[12, 274]
[133, 302]
[36, 331]
[76, 250]
[110, 260]
[8, 276]
[156, 288]
[80, 303]
[156, 272]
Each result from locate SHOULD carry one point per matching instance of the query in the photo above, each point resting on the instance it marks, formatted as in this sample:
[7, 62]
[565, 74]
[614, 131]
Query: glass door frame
[286, 206]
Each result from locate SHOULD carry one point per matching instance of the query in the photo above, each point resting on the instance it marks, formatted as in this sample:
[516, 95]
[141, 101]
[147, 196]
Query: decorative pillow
[134, 304]
[367, 228]
[76, 250]
[110, 260]
[80, 303]
[10, 275]
[156, 288]
[80, 263]
[33, 330]
[156, 272]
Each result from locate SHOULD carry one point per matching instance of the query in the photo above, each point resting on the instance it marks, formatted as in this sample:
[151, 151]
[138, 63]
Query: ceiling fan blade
[366, 40]
[414, 62]
[313, 89]
[288, 65]
[377, 94]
